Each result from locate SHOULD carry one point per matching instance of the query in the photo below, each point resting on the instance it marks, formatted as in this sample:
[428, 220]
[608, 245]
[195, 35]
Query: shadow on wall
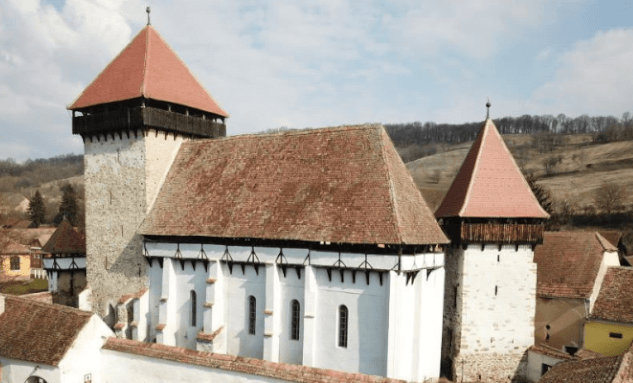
[520, 374]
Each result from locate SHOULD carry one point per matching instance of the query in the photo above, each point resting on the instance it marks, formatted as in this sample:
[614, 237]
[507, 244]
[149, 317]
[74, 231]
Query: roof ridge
[63, 308]
[475, 168]
[188, 70]
[606, 245]
[103, 70]
[143, 89]
[392, 194]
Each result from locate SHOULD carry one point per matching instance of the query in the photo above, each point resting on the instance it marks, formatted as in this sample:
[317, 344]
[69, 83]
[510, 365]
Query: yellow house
[16, 261]
[609, 329]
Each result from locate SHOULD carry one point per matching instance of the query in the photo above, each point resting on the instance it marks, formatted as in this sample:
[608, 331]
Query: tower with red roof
[494, 221]
[133, 118]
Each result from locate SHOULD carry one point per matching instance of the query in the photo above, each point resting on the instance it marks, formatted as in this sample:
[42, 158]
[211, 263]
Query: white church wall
[609, 259]
[186, 281]
[160, 153]
[429, 323]
[239, 286]
[368, 309]
[12, 370]
[292, 288]
[84, 356]
[155, 291]
[401, 327]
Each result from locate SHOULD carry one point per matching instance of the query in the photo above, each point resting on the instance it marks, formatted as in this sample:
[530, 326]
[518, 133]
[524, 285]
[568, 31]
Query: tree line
[605, 129]
[32, 173]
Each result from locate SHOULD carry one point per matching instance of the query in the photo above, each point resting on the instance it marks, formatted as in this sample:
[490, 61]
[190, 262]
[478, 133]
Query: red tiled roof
[290, 372]
[148, 68]
[489, 183]
[615, 300]
[65, 240]
[551, 352]
[38, 332]
[597, 370]
[613, 236]
[568, 263]
[341, 185]
[13, 247]
[126, 297]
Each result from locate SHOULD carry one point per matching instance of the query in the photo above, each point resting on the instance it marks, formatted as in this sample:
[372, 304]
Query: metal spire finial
[488, 109]
[148, 12]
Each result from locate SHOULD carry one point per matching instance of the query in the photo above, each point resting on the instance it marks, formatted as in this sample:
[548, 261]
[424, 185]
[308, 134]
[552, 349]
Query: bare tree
[610, 197]
[549, 163]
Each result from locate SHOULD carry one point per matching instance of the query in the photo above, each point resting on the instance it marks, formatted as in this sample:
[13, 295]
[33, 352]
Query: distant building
[65, 264]
[494, 222]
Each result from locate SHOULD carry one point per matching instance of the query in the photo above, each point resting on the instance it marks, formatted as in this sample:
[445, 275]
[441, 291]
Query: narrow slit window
[496, 290]
[194, 310]
[296, 316]
[252, 319]
[343, 319]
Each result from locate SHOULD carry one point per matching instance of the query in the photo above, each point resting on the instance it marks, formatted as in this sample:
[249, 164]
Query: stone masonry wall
[451, 329]
[116, 175]
[493, 323]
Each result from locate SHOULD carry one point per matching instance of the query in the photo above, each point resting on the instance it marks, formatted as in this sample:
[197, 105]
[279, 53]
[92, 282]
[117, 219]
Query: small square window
[615, 335]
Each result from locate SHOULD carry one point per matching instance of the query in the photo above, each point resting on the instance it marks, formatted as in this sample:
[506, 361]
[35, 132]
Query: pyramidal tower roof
[489, 183]
[147, 67]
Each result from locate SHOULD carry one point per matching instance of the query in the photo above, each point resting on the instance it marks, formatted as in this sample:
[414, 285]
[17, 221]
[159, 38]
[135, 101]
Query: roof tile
[65, 240]
[489, 183]
[615, 300]
[148, 68]
[341, 185]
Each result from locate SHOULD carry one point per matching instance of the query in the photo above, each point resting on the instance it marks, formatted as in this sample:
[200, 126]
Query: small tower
[133, 118]
[494, 221]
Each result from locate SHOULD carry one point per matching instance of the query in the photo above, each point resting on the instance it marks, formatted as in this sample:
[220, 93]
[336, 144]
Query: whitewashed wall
[394, 328]
[84, 357]
[18, 371]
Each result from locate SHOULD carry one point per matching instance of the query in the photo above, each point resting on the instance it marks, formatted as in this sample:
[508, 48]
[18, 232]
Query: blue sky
[323, 63]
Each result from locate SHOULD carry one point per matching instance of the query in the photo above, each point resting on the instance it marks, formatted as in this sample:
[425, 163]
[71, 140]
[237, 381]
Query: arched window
[193, 308]
[343, 319]
[15, 263]
[252, 306]
[295, 312]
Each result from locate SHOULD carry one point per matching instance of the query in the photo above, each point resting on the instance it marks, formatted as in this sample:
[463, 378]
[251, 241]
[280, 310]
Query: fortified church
[312, 248]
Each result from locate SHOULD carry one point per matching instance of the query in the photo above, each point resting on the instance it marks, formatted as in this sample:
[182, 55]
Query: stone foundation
[494, 368]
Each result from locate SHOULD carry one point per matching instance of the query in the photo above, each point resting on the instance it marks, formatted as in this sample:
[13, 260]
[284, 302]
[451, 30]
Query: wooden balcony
[501, 233]
[141, 118]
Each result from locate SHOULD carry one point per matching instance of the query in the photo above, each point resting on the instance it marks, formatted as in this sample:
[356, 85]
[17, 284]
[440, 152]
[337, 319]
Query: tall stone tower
[133, 118]
[494, 221]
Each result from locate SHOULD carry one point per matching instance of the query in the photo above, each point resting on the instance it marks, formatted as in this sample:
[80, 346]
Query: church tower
[494, 222]
[133, 119]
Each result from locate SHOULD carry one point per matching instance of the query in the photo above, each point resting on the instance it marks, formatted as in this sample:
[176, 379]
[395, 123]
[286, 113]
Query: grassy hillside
[581, 167]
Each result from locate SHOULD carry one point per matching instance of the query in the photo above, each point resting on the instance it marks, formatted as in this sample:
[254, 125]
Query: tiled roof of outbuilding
[489, 183]
[148, 68]
[290, 372]
[65, 240]
[339, 185]
[38, 332]
[613, 369]
[615, 300]
[568, 263]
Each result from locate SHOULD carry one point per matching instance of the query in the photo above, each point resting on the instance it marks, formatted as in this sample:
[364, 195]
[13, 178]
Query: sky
[315, 63]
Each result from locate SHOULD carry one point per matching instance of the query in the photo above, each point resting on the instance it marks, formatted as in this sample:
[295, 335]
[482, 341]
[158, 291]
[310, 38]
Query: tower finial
[488, 109]
[148, 12]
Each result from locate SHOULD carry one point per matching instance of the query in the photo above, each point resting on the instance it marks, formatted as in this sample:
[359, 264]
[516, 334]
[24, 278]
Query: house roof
[615, 300]
[568, 263]
[147, 67]
[489, 183]
[10, 246]
[613, 369]
[339, 185]
[65, 240]
[239, 364]
[613, 236]
[38, 332]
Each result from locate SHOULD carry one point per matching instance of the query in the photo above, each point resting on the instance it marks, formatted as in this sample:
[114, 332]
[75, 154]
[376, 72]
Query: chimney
[1, 304]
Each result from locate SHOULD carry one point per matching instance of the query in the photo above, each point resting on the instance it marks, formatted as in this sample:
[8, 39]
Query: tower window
[252, 319]
[496, 290]
[15, 263]
[294, 320]
[194, 304]
[343, 318]
[616, 335]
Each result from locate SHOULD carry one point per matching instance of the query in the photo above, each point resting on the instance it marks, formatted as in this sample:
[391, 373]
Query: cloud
[594, 77]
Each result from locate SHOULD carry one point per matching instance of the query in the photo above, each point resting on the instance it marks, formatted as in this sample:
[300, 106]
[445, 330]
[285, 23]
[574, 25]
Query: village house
[20, 253]
[65, 264]
[609, 329]
[312, 248]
